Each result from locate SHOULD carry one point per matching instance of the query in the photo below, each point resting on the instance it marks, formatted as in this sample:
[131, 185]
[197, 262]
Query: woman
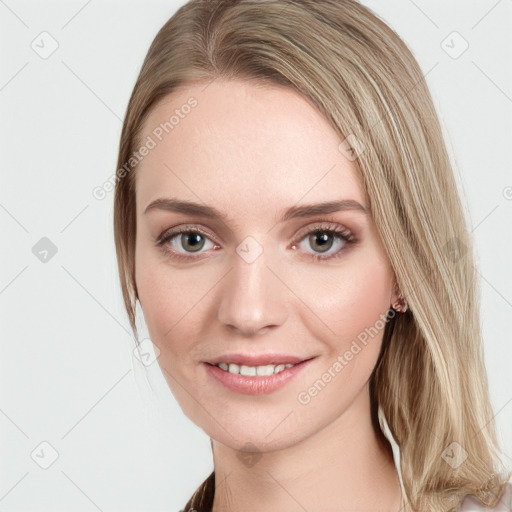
[287, 217]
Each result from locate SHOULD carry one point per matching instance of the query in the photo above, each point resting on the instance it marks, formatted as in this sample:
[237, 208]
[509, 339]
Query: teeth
[279, 368]
[263, 371]
[250, 371]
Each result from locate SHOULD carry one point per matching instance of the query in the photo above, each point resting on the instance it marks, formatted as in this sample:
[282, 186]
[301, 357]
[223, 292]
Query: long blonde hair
[430, 379]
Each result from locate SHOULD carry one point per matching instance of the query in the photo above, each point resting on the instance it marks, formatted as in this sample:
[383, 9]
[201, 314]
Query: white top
[469, 503]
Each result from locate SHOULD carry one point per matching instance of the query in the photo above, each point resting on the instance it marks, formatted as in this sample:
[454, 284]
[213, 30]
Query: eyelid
[162, 242]
[184, 228]
[322, 224]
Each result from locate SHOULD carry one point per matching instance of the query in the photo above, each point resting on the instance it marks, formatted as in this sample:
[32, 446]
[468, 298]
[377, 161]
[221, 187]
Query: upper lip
[258, 359]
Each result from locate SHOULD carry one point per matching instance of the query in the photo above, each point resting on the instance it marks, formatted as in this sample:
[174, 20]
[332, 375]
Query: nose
[252, 299]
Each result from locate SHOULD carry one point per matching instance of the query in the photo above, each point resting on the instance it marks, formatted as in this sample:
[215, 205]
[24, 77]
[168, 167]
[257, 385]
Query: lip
[258, 359]
[256, 385]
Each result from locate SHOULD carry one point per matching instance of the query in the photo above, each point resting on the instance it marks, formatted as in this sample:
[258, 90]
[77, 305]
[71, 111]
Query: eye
[184, 242]
[322, 238]
[327, 240]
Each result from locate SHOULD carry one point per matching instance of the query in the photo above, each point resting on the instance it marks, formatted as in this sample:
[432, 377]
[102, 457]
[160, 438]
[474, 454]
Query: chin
[262, 429]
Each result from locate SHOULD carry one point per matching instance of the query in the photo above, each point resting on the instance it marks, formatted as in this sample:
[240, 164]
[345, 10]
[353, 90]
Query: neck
[345, 466]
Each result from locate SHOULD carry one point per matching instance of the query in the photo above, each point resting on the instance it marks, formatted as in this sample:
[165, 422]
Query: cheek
[157, 291]
[173, 301]
[343, 302]
[167, 301]
[352, 306]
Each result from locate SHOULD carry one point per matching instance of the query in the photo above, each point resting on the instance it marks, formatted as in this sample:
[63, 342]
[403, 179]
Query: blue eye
[193, 239]
[323, 238]
[186, 243]
[189, 240]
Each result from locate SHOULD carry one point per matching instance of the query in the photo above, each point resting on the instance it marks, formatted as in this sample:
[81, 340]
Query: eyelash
[323, 226]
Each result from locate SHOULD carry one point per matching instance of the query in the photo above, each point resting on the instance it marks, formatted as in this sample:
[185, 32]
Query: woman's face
[265, 279]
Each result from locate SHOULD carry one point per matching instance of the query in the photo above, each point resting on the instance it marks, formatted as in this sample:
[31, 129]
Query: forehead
[242, 145]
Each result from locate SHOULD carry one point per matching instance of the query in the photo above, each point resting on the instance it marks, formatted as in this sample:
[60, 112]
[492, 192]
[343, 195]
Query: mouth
[251, 365]
[252, 371]
[256, 375]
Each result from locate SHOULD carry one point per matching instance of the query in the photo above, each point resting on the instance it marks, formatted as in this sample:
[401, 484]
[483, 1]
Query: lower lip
[255, 385]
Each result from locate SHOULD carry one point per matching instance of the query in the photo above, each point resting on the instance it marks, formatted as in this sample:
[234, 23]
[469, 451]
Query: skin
[251, 151]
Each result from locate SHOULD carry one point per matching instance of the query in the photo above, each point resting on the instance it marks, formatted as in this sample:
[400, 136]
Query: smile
[254, 380]
[251, 371]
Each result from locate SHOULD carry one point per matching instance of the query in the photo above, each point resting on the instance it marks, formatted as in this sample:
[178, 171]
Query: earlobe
[399, 304]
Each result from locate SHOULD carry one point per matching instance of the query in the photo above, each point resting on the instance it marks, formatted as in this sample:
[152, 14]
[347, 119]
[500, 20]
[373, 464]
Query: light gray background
[68, 376]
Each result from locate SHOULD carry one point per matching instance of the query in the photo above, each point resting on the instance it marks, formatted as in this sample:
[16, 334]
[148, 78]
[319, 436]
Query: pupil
[323, 238]
[192, 239]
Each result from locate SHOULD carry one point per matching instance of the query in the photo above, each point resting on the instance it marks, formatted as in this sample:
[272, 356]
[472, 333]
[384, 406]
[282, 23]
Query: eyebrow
[308, 210]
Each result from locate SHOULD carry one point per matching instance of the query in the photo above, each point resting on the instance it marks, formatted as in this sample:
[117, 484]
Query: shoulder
[502, 503]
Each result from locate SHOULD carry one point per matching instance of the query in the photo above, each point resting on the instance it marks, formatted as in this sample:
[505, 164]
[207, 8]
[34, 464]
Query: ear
[395, 293]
